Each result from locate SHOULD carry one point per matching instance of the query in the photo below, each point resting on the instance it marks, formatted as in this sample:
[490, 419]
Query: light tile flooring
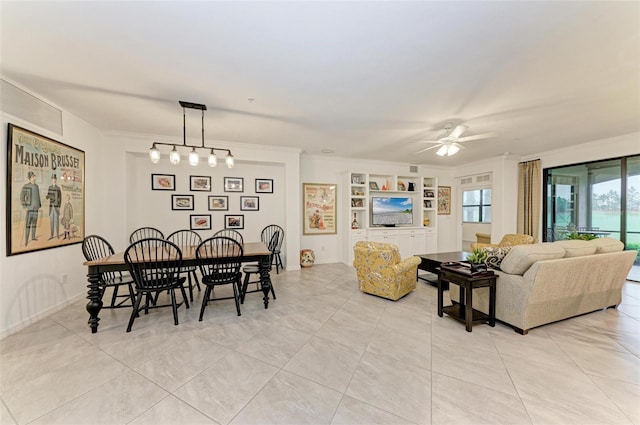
[323, 353]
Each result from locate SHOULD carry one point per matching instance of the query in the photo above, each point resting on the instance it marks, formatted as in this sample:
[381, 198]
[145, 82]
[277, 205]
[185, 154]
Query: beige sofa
[546, 282]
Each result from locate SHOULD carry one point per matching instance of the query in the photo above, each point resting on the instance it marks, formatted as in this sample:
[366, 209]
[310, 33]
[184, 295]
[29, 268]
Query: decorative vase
[354, 223]
[426, 222]
[307, 257]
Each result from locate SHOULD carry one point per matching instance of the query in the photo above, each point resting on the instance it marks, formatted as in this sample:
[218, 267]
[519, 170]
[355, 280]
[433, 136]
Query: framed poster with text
[45, 192]
[319, 209]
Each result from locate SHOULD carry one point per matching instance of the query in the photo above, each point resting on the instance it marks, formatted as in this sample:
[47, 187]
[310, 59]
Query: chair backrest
[230, 233]
[219, 259]
[154, 263]
[145, 233]
[95, 247]
[184, 238]
[511, 239]
[267, 237]
[376, 254]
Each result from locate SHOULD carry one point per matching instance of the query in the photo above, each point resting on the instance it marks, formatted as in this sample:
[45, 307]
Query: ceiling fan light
[452, 150]
[442, 151]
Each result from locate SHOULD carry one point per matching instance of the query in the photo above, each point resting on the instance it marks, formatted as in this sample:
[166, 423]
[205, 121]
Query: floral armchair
[510, 239]
[382, 272]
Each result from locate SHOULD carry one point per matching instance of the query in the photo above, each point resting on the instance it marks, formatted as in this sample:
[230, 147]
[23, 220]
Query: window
[476, 206]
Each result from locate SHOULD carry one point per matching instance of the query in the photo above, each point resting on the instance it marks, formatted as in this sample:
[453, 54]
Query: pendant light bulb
[193, 157]
[213, 159]
[174, 156]
[154, 154]
[443, 150]
[453, 149]
[229, 160]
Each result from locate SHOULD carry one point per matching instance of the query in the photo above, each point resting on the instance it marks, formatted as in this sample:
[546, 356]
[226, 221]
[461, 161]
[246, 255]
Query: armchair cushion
[382, 272]
[510, 239]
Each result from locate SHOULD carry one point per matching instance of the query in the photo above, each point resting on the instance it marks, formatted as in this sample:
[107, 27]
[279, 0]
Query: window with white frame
[476, 206]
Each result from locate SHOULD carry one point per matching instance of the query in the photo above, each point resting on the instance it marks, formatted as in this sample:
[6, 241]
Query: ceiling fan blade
[427, 141]
[429, 148]
[476, 137]
[457, 132]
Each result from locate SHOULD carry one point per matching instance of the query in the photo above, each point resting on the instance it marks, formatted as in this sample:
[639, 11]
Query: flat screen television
[391, 211]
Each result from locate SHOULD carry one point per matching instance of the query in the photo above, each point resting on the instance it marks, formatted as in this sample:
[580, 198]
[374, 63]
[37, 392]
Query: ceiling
[362, 79]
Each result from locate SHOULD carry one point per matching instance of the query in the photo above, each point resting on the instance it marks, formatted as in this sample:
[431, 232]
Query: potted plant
[477, 260]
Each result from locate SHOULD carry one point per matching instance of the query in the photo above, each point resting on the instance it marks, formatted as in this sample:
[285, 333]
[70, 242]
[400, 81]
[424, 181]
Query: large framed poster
[45, 192]
[319, 209]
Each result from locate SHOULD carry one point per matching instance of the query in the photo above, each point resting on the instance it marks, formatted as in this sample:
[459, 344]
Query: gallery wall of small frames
[200, 204]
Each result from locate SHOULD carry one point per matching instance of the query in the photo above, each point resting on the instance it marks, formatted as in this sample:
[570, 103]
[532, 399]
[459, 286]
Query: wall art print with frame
[200, 183]
[319, 209]
[163, 182]
[264, 185]
[444, 200]
[234, 184]
[218, 203]
[182, 202]
[249, 203]
[234, 221]
[200, 221]
[45, 206]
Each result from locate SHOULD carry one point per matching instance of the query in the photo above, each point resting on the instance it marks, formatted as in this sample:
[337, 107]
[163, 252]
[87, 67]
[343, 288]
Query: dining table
[251, 252]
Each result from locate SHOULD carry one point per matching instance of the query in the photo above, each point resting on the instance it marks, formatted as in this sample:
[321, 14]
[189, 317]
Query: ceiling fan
[450, 144]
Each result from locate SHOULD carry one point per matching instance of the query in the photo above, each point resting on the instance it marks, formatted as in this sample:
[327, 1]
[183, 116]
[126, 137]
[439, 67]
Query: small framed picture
[234, 184]
[200, 221]
[373, 186]
[182, 202]
[163, 182]
[264, 185]
[357, 203]
[218, 203]
[235, 221]
[200, 183]
[249, 203]
[429, 194]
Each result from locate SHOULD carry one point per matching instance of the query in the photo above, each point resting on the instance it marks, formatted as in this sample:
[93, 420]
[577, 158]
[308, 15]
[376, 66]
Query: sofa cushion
[605, 245]
[521, 257]
[576, 248]
[495, 256]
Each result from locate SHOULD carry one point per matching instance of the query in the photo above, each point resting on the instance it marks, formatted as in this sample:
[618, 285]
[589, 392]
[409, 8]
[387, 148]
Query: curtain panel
[529, 193]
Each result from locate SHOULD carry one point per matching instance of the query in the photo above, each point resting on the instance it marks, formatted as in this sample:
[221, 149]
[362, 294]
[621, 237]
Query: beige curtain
[529, 190]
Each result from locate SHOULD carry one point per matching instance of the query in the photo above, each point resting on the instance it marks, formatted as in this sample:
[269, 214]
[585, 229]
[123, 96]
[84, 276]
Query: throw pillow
[495, 256]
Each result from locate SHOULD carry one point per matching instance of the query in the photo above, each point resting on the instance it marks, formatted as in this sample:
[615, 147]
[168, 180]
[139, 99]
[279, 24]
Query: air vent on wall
[485, 178]
[413, 168]
[23, 105]
[466, 180]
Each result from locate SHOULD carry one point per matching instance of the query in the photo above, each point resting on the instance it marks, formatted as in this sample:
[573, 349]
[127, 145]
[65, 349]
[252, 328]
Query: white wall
[31, 283]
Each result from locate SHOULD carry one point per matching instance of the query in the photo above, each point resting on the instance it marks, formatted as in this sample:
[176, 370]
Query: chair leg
[132, 294]
[184, 296]
[190, 286]
[236, 297]
[272, 291]
[195, 277]
[174, 306]
[114, 296]
[279, 261]
[205, 300]
[134, 313]
[244, 287]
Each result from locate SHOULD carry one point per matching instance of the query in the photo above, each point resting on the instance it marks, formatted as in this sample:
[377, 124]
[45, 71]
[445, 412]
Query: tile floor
[323, 353]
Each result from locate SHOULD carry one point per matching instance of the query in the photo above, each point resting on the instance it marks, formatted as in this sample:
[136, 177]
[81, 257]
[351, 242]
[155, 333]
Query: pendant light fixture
[194, 158]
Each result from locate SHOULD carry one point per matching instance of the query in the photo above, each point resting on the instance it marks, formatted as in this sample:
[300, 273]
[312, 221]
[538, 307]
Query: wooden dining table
[252, 251]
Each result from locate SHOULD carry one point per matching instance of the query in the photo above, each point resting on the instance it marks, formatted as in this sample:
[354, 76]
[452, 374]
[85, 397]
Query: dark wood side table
[463, 311]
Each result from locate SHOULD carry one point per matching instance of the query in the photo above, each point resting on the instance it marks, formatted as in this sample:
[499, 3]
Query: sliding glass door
[594, 199]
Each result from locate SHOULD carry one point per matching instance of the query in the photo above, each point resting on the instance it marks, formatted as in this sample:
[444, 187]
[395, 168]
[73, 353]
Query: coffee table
[431, 263]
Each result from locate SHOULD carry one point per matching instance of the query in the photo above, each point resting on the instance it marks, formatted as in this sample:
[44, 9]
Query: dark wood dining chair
[155, 265]
[255, 269]
[144, 233]
[95, 247]
[187, 238]
[230, 233]
[219, 259]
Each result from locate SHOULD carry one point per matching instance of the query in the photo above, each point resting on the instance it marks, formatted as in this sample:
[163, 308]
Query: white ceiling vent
[478, 180]
[19, 103]
[413, 168]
